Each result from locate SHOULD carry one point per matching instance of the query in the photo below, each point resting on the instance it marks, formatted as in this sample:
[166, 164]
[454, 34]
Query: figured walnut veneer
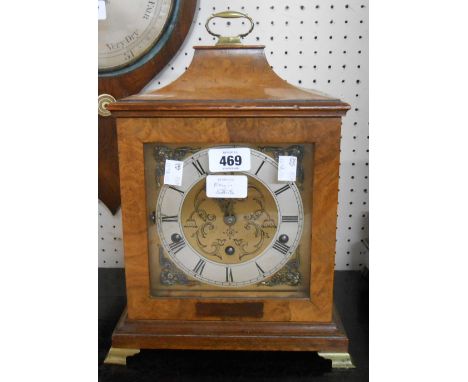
[230, 95]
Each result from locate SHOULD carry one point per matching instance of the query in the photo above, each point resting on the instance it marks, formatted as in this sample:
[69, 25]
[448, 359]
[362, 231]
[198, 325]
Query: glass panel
[251, 247]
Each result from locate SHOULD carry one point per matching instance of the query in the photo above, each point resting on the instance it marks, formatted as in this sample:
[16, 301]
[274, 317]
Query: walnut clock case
[253, 273]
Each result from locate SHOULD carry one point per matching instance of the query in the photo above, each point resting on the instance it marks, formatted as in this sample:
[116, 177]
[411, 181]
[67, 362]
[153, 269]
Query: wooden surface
[226, 81]
[120, 86]
[230, 335]
[227, 96]
[324, 133]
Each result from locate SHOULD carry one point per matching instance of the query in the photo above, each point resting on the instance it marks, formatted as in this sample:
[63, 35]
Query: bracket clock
[229, 183]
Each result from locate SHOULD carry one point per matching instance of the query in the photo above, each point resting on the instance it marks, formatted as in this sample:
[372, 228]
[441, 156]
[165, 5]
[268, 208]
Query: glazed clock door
[229, 247]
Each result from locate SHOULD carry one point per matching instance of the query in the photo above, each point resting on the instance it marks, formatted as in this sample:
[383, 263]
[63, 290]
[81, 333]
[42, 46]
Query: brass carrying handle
[229, 15]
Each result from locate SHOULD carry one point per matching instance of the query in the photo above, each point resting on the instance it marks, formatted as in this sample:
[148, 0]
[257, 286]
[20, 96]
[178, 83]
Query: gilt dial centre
[230, 231]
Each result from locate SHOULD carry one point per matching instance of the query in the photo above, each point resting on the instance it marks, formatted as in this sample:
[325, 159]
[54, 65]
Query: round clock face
[230, 242]
[130, 29]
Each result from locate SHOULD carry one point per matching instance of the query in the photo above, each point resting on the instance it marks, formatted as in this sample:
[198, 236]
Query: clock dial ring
[261, 266]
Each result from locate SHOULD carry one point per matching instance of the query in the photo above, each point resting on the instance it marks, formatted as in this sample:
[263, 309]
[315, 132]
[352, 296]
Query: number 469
[230, 160]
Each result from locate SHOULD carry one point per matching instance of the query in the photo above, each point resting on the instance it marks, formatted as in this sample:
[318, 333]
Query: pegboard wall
[320, 45]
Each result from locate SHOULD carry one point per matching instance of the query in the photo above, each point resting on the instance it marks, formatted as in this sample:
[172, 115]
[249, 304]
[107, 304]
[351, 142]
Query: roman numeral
[289, 219]
[260, 270]
[176, 189]
[281, 247]
[282, 189]
[166, 219]
[177, 246]
[199, 267]
[259, 167]
[229, 277]
[199, 167]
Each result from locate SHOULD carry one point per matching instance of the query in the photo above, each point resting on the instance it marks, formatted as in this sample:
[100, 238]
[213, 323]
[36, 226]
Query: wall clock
[221, 251]
[137, 38]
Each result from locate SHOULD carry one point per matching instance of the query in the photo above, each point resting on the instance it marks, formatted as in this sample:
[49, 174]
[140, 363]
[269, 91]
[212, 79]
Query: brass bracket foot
[118, 356]
[339, 360]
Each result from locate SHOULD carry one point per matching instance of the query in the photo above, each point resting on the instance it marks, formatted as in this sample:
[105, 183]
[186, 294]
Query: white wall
[320, 45]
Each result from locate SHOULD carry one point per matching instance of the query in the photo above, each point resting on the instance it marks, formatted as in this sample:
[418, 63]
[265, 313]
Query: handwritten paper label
[173, 172]
[287, 168]
[226, 186]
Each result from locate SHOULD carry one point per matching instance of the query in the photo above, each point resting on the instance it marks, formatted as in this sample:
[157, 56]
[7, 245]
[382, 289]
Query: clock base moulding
[327, 338]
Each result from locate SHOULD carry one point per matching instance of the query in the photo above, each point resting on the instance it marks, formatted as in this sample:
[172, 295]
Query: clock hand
[227, 206]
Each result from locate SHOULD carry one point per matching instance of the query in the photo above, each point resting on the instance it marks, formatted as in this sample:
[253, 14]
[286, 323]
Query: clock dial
[230, 242]
[130, 30]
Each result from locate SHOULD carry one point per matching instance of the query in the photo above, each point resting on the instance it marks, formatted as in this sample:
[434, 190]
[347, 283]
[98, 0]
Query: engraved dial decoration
[130, 29]
[230, 242]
